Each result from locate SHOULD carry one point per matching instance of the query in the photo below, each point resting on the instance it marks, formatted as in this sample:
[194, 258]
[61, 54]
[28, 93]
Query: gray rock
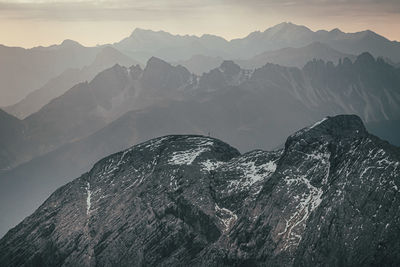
[330, 197]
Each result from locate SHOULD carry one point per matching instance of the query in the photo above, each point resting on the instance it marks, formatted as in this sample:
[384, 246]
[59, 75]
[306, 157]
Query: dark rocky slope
[330, 197]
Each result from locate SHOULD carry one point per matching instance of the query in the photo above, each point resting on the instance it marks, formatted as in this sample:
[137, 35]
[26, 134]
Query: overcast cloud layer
[30, 22]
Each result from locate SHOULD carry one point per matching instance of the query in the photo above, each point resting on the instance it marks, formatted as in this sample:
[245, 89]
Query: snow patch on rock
[187, 157]
[317, 123]
[252, 173]
[210, 165]
[307, 203]
[89, 195]
[227, 217]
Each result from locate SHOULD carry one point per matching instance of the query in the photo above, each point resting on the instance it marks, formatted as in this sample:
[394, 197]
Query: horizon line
[191, 35]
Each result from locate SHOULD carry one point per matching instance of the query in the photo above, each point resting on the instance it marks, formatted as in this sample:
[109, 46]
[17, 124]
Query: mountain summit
[331, 195]
[142, 44]
[69, 43]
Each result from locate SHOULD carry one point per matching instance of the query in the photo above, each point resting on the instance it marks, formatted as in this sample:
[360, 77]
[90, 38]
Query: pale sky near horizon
[29, 23]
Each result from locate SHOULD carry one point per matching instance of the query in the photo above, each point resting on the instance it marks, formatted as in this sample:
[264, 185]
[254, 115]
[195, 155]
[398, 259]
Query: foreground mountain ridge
[330, 197]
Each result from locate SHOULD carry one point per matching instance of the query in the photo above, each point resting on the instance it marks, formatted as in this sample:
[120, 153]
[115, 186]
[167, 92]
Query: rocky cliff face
[330, 197]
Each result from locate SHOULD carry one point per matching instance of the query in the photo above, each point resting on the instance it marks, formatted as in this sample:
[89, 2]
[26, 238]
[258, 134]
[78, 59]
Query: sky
[29, 23]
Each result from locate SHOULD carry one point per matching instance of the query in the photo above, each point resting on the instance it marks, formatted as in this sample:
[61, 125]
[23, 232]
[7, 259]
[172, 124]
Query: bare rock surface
[329, 197]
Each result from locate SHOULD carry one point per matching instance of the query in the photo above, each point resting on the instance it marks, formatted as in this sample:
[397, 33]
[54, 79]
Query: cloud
[328, 7]
[161, 9]
[98, 10]
[44, 22]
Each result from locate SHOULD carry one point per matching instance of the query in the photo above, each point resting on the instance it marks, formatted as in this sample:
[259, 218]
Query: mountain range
[34, 101]
[37, 66]
[142, 44]
[367, 87]
[24, 70]
[291, 57]
[123, 106]
[140, 123]
[330, 196]
[296, 57]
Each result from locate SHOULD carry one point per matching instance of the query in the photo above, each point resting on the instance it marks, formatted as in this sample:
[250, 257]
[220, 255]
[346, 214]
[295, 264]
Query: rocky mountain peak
[195, 200]
[336, 31]
[335, 129]
[285, 25]
[109, 54]
[340, 125]
[155, 62]
[67, 43]
[228, 74]
[230, 68]
[174, 150]
[159, 74]
[140, 32]
[111, 74]
[284, 29]
[136, 71]
[365, 59]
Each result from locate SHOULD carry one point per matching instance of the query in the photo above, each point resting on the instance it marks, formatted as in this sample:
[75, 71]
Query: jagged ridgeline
[330, 197]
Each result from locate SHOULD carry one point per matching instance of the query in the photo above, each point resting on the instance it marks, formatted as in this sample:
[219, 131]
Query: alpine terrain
[330, 197]
[123, 106]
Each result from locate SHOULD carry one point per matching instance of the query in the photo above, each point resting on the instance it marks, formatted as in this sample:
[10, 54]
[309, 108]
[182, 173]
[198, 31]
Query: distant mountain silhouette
[143, 44]
[89, 106]
[296, 57]
[367, 87]
[106, 58]
[199, 64]
[36, 66]
[291, 57]
[24, 70]
[11, 135]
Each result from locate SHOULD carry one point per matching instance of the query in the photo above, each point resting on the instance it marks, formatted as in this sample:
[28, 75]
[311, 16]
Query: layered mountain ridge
[37, 66]
[296, 57]
[89, 106]
[240, 106]
[367, 87]
[330, 196]
[143, 44]
[326, 195]
[55, 87]
[24, 70]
